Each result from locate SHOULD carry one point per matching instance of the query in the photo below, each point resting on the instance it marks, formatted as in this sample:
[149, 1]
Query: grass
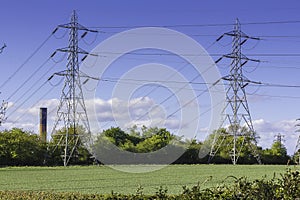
[103, 179]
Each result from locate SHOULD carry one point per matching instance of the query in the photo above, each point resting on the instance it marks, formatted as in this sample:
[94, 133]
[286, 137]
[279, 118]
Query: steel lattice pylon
[297, 150]
[236, 114]
[3, 105]
[71, 109]
[3, 108]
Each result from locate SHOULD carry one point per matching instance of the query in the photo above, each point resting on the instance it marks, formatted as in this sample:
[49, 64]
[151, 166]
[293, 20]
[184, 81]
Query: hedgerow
[286, 187]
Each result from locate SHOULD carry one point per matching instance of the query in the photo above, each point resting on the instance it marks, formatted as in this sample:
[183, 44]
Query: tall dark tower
[43, 124]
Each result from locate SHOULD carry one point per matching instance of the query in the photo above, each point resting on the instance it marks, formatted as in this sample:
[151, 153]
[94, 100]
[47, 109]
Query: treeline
[146, 140]
[24, 148]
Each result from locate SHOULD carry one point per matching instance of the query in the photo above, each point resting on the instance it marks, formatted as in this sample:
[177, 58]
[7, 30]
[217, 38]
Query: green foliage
[276, 155]
[244, 145]
[146, 140]
[81, 155]
[191, 155]
[116, 136]
[18, 147]
[287, 187]
[154, 139]
[130, 147]
[278, 149]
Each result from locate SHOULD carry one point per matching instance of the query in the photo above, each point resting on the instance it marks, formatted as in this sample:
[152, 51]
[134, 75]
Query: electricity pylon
[3, 106]
[71, 109]
[236, 113]
[279, 139]
[297, 148]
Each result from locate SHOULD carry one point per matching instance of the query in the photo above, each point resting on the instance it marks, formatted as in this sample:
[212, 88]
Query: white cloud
[138, 111]
[267, 130]
[171, 124]
[283, 126]
[126, 113]
[25, 126]
[117, 109]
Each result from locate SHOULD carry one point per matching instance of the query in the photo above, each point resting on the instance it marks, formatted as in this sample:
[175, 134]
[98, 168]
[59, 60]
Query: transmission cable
[196, 25]
[26, 61]
[180, 89]
[25, 113]
[104, 54]
[275, 96]
[32, 94]
[173, 74]
[35, 83]
[26, 81]
[278, 85]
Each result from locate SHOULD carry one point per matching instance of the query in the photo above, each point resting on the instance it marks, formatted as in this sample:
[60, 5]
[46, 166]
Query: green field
[103, 179]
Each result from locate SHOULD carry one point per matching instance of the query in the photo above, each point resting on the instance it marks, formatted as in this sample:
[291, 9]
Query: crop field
[104, 180]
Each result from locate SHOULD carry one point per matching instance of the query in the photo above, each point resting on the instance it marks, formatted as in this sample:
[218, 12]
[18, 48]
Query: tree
[191, 154]
[18, 148]
[276, 155]
[116, 136]
[143, 141]
[278, 149]
[131, 147]
[154, 139]
[244, 145]
[81, 155]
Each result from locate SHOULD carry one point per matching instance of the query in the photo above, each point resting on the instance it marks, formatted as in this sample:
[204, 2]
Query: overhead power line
[275, 96]
[26, 61]
[105, 53]
[261, 84]
[273, 22]
[279, 85]
[33, 85]
[28, 79]
[208, 35]
[30, 96]
[196, 25]
[33, 105]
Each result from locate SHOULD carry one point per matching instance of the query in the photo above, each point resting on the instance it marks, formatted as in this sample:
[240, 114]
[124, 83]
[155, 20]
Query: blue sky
[26, 24]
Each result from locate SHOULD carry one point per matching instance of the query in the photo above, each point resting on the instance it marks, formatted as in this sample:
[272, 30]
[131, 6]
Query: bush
[21, 148]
